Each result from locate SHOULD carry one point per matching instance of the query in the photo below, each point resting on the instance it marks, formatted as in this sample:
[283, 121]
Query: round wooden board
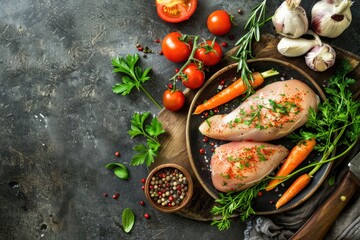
[173, 142]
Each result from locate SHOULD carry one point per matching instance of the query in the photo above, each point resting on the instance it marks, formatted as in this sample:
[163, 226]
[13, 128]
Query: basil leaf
[119, 169]
[114, 165]
[128, 219]
[121, 172]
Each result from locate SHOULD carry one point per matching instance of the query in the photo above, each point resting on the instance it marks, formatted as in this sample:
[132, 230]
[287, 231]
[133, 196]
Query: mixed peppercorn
[168, 187]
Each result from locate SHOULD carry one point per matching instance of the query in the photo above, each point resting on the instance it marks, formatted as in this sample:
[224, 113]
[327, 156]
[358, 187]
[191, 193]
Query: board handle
[321, 221]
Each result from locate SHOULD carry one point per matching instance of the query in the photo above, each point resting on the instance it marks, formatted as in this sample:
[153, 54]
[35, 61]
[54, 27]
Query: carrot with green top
[299, 184]
[297, 155]
[233, 91]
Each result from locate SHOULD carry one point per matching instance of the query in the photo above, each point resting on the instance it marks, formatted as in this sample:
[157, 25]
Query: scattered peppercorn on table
[61, 122]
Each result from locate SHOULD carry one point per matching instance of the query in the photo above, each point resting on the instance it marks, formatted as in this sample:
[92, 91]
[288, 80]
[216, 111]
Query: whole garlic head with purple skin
[330, 18]
[320, 58]
[290, 19]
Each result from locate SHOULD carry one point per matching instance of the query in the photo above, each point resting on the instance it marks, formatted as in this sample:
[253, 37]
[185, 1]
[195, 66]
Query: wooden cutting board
[173, 142]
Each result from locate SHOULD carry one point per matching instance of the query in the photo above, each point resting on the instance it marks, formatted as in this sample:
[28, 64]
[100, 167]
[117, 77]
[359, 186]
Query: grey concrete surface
[60, 123]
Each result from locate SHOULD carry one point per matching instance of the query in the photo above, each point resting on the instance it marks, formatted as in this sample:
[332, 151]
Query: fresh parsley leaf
[145, 153]
[134, 76]
[155, 128]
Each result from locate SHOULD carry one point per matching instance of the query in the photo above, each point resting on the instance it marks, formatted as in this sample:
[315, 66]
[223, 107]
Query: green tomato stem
[189, 60]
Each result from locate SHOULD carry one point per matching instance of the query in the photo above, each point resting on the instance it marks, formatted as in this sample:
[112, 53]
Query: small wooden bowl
[185, 200]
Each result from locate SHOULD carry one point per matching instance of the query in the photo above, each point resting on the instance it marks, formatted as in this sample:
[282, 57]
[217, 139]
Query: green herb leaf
[128, 219]
[255, 21]
[122, 173]
[134, 76]
[146, 153]
[155, 128]
[120, 170]
[331, 180]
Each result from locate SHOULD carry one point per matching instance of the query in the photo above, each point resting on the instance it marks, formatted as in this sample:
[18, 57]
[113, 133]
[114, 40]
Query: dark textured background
[60, 123]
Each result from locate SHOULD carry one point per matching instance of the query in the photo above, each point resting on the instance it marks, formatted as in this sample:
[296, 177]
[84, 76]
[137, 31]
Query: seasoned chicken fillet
[239, 165]
[270, 113]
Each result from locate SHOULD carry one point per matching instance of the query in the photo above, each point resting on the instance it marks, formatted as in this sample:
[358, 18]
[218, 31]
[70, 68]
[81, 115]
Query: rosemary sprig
[256, 20]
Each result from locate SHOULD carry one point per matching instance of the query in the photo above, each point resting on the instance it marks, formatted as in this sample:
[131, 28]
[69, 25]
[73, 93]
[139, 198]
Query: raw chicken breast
[239, 165]
[270, 113]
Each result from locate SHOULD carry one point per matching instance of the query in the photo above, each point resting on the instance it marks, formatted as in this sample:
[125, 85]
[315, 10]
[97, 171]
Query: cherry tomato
[173, 100]
[209, 53]
[219, 22]
[195, 78]
[174, 49]
[175, 11]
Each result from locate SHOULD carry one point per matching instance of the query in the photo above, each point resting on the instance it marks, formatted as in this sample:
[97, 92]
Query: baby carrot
[233, 91]
[299, 184]
[297, 155]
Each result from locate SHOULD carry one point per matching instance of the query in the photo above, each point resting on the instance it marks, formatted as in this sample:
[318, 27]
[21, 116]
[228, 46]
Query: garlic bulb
[290, 19]
[330, 18]
[290, 47]
[320, 58]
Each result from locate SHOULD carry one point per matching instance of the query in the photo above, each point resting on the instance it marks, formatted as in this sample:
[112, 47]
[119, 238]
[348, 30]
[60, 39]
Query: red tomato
[195, 78]
[173, 100]
[175, 11]
[174, 49]
[208, 54]
[219, 22]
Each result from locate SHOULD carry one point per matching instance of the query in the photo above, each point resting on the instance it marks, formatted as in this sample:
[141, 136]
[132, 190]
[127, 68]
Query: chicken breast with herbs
[239, 165]
[270, 113]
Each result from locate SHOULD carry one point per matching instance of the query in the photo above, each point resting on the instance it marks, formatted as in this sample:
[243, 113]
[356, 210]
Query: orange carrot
[297, 155]
[233, 91]
[299, 184]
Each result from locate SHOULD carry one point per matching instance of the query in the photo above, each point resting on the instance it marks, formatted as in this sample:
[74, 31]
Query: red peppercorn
[140, 49]
[177, 70]
[142, 187]
[161, 53]
[222, 82]
[143, 180]
[205, 139]
[116, 195]
[146, 215]
[260, 194]
[206, 114]
[216, 110]
[117, 154]
[157, 40]
[202, 151]
[142, 203]
[105, 194]
[170, 86]
[224, 44]
[171, 198]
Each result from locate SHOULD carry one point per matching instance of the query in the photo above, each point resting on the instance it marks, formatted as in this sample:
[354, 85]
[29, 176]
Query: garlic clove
[320, 58]
[291, 47]
[320, 65]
